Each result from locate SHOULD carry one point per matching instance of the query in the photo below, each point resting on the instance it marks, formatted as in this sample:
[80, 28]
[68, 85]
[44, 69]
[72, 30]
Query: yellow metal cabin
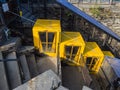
[72, 47]
[46, 36]
[93, 56]
[108, 53]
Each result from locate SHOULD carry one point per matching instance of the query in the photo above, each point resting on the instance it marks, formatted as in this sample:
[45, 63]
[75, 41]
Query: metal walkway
[90, 19]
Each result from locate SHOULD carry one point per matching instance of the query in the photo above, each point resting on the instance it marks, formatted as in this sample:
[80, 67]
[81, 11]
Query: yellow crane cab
[93, 56]
[108, 53]
[46, 36]
[71, 47]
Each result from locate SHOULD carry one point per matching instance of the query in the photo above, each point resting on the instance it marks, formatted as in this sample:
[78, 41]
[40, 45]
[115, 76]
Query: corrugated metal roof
[90, 19]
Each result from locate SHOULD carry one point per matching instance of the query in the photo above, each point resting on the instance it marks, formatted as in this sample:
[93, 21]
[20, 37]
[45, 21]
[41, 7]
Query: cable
[22, 17]
[30, 20]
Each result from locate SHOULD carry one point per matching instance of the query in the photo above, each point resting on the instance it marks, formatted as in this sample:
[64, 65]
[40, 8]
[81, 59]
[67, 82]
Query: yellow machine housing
[108, 53]
[71, 47]
[93, 56]
[46, 36]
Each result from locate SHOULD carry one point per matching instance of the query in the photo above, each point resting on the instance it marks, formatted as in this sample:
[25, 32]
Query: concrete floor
[45, 63]
[95, 85]
[72, 78]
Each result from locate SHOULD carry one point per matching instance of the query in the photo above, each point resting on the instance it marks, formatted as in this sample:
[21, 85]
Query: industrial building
[54, 45]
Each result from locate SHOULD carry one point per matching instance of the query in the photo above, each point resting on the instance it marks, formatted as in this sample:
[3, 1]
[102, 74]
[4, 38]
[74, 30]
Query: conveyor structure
[66, 46]
[73, 50]
[71, 47]
[93, 56]
[46, 36]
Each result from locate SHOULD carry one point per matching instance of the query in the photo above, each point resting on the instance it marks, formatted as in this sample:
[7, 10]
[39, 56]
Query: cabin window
[90, 62]
[71, 51]
[48, 41]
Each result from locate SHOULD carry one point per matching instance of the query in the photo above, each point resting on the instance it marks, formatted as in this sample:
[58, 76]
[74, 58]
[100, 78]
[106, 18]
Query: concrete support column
[13, 73]
[3, 79]
[25, 68]
[32, 65]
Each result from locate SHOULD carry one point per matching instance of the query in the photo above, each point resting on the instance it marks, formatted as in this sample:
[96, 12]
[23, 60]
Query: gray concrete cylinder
[24, 67]
[3, 79]
[13, 71]
[32, 65]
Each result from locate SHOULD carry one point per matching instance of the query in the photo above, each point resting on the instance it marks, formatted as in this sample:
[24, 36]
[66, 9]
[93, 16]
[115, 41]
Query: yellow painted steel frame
[45, 28]
[93, 56]
[72, 40]
[21, 13]
[108, 53]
